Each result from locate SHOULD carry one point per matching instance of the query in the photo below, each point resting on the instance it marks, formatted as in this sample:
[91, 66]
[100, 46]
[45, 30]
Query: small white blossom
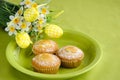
[24, 26]
[15, 19]
[11, 30]
[28, 4]
[38, 28]
[41, 21]
[43, 10]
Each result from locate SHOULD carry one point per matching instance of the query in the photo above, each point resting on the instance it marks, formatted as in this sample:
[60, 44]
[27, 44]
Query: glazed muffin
[70, 56]
[46, 63]
[45, 46]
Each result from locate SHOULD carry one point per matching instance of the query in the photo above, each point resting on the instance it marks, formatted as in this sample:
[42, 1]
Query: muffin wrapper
[46, 69]
[70, 63]
[49, 70]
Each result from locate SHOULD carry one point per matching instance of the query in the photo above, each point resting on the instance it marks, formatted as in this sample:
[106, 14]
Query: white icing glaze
[68, 54]
[45, 45]
[46, 61]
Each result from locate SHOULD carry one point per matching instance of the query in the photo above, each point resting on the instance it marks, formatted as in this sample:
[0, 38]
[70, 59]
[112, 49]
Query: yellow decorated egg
[53, 31]
[31, 14]
[23, 39]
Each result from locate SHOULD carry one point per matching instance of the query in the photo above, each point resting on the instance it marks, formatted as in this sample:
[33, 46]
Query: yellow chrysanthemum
[23, 39]
[31, 14]
[53, 31]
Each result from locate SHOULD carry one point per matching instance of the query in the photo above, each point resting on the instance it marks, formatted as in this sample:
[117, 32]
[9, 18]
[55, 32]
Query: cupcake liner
[46, 69]
[70, 63]
[51, 70]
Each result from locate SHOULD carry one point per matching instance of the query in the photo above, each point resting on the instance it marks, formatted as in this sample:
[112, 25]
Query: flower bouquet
[30, 22]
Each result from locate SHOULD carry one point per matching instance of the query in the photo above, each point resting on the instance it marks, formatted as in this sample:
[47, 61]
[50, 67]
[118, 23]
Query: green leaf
[6, 9]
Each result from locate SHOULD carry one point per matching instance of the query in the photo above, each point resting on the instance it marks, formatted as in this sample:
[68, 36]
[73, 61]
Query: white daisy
[24, 26]
[38, 28]
[35, 5]
[15, 19]
[11, 30]
[41, 21]
[26, 3]
[43, 10]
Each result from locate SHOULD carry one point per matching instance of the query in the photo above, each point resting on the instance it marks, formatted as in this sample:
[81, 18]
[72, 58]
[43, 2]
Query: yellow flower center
[44, 10]
[34, 5]
[12, 29]
[27, 2]
[39, 27]
[16, 20]
[40, 21]
[23, 25]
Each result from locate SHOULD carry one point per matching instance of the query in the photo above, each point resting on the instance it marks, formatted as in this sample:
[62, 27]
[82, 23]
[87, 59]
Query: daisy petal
[17, 27]
[6, 29]
[10, 33]
[21, 8]
[7, 23]
[27, 6]
[27, 29]
[28, 23]
[11, 17]
[42, 15]
[16, 14]
[22, 3]
[15, 32]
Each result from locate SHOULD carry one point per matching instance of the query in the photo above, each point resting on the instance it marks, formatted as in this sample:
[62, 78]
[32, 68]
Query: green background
[99, 19]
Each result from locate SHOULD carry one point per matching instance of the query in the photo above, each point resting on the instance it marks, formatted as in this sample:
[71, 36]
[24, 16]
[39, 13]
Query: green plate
[20, 59]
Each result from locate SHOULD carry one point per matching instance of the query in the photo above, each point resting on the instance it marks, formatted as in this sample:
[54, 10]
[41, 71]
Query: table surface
[99, 19]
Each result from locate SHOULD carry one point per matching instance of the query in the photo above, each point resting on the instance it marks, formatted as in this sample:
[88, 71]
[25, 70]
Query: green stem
[44, 4]
[58, 14]
[41, 5]
[13, 8]
[7, 9]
